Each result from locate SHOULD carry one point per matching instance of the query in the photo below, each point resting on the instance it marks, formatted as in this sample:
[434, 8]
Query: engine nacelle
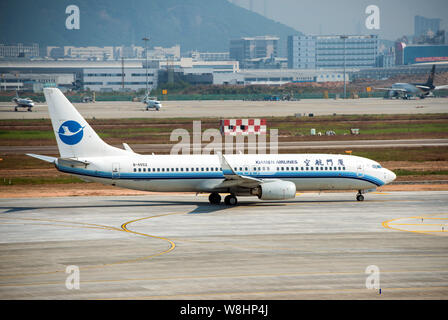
[275, 190]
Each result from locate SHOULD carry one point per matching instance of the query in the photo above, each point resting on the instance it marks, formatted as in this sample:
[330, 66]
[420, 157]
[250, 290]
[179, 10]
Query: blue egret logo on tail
[71, 132]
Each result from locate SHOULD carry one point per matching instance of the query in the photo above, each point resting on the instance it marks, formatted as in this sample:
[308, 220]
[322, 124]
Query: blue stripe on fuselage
[217, 175]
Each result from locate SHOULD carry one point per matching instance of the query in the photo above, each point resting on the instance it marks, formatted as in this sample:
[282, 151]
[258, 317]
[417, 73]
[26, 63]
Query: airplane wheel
[359, 197]
[214, 198]
[230, 200]
[15, 109]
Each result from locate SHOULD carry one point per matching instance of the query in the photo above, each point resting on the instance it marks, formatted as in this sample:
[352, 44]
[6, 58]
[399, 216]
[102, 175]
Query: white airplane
[152, 103]
[22, 102]
[267, 176]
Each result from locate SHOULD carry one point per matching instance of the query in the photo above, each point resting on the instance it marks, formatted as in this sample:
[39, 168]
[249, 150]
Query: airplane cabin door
[115, 170]
[360, 170]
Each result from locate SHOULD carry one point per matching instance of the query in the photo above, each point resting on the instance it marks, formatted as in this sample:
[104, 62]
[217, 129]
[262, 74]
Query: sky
[396, 17]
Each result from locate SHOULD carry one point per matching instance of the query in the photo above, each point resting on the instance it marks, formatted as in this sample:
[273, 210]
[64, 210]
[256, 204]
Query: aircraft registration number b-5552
[268, 176]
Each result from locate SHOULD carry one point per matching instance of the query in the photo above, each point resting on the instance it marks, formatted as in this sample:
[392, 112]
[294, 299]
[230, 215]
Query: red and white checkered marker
[235, 127]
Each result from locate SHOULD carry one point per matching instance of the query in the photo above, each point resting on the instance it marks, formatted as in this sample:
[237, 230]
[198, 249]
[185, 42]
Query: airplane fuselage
[203, 173]
[23, 103]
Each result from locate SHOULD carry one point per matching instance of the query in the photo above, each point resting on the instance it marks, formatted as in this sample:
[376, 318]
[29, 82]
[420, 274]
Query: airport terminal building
[317, 52]
[92, 75]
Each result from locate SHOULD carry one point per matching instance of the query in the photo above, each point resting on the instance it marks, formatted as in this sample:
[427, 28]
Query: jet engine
[275, 190]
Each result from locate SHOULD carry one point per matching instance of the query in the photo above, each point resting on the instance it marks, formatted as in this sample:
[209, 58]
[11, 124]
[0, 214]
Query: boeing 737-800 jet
[268, 176]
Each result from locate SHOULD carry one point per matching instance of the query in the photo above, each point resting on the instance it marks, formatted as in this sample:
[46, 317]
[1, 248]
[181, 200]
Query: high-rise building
[302, 52]
[424, 25]
[399, 52]
[248, 48]
[314, 52]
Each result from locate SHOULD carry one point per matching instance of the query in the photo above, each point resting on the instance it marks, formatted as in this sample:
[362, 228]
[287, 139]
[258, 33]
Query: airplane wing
[69, 162]
[233, 179]
[391, 89]
[441, 87]
[422, 87]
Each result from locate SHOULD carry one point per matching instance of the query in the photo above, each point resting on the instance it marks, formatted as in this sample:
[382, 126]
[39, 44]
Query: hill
[205, 25]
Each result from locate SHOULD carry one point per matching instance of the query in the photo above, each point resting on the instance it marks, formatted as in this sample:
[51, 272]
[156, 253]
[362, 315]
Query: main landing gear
[229, 200]
[359, 196]
[214, 198]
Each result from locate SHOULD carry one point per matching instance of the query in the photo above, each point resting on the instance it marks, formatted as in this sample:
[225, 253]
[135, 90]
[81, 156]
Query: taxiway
[317, 246]
[238, 108]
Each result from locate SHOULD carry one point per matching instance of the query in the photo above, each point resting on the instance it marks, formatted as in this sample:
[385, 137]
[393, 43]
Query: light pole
[345, 86]
[146, 54]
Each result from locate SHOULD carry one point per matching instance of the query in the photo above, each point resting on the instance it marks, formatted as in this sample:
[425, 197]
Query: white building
[190, 63]
[278, 76]
[34, 82]
[100, 53]
[113, 79]
[19, 50]
[93, 75]
[210, 56]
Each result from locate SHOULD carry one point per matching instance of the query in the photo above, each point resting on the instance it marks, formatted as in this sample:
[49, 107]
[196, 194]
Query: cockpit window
[376, 166]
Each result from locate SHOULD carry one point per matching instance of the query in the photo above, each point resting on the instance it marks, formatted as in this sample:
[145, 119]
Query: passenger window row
[241, 169]
[196, 169]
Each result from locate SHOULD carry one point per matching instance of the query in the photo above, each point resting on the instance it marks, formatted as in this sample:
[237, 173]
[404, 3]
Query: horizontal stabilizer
[441, 87]
[44, 158]
[67, 162]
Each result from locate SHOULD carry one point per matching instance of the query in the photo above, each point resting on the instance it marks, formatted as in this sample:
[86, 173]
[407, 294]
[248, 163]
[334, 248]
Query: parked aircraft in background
[409, 90]
[151, 102]
[23, 103]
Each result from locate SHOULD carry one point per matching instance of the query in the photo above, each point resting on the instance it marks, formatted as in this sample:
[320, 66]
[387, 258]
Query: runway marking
[412, 224]
[95, 226]
[172, 244]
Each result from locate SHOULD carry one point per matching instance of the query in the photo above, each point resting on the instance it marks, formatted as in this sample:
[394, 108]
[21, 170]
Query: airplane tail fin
[75, 137]
[430, 80]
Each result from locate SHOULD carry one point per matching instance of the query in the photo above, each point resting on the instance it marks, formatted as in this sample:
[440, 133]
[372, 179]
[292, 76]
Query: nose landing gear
[359, 196]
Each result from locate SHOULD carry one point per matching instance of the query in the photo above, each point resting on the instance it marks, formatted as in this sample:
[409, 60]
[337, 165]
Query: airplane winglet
[233, 179]
[226, 167]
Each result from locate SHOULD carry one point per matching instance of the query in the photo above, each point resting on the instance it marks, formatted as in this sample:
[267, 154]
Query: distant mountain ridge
[205, 25]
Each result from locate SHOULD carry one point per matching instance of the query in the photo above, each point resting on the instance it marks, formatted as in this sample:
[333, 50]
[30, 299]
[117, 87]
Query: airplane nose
[390, 176]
